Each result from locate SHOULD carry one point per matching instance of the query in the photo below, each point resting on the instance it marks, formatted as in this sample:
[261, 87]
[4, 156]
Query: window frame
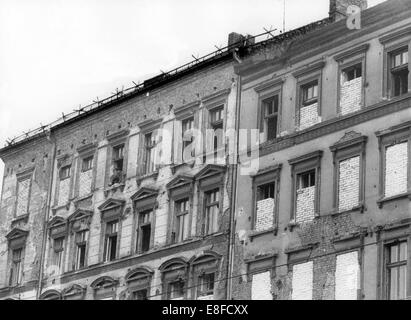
[387, 138]
[115, 140]
[262, 178]
[345, 150]
[206, 206]
[299, 165]
[304, 77]
[392, 42]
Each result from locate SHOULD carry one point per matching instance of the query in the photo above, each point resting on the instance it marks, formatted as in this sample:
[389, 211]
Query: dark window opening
[265, 191]
[87, 164]
[217, 124]
[16, 263]
[146, 235]
[65, 172]
[118, 163]
[310, 93]
[181, 228]
[270, 117]
[81, 246]
[140, 295]
[212, 204]
[206, 285]
[352, 73]
[176, 290]
[110, 247]
[306, 180]
[188, 138]
[399, 73]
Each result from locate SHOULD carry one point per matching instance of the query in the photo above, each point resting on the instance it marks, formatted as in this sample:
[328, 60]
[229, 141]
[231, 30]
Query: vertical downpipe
[46, 217]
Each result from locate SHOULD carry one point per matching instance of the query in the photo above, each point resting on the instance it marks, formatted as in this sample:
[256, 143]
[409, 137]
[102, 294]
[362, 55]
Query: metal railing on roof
[248, 41]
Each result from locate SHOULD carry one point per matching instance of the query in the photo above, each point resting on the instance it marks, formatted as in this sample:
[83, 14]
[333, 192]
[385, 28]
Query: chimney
[338, 8]
[235, 37]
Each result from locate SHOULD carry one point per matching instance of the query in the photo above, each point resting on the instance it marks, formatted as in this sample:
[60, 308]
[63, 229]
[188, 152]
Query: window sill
[382, 201]
[152, 175]
[360, 207]
[62, 206]
[78, 199]
[255, 234]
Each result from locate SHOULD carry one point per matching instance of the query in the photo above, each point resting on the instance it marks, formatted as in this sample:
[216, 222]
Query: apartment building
[153, 194]
[104, 204]
[327, 213]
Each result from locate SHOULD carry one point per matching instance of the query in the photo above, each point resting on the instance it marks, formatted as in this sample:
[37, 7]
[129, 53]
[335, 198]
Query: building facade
[153, 193]
[328, 215]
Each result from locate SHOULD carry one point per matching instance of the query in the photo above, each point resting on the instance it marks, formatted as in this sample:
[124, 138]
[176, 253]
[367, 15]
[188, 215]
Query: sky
[56, 55]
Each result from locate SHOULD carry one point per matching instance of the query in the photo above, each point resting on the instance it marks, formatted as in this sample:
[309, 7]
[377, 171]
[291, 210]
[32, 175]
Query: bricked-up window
[212, 205]
[205, 285]
[302, 282]
[187, 137]
[216, 124]
[144, 230]
[306, 177]
[399, 72]
[349, 163]
[110, 241]
[269, 125]
[64, 185]
[149, 153]
[175, 290]
[86, 176]
[23, 196]
[396, 271]
[351, 89]
[58, 253]
[347, 276]
[396, 169]
[309, 105]
[182, 209]
[16, 266]
[80, 249]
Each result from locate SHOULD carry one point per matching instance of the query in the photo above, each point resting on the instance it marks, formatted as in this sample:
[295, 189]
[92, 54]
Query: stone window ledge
[87, 196]
[361, 208]
[22, 218]
[255, 234]
[383, 200]
[152, 175]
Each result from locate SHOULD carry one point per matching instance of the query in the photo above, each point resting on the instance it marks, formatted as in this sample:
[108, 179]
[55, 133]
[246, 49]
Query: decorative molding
[215, 97]
[391, 36]
[273, 83]
[122, 134]
[307, 157]
[149, 125]
[352, 52]
[315, 66]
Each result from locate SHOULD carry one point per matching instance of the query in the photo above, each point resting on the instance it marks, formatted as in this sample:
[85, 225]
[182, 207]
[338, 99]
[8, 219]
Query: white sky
[55, 54]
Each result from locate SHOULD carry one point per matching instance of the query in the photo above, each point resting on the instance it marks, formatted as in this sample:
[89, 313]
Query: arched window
[74, 292]
[51, 295]
[205, 273]
[138, 282]
[104, 288]
[174, 279]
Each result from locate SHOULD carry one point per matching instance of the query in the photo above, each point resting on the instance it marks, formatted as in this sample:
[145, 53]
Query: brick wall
[396, 161]
[350, 96]
[64, 191]
[261, 286]
[23, 196]
[302, 283]
[85, 183]
[308, 116]
[305, 204]
[346, 276]
[349, 183]
[265, 214]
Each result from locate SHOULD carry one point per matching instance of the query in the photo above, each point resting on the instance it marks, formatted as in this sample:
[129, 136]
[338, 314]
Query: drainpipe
[231, 243]
[46, 218]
